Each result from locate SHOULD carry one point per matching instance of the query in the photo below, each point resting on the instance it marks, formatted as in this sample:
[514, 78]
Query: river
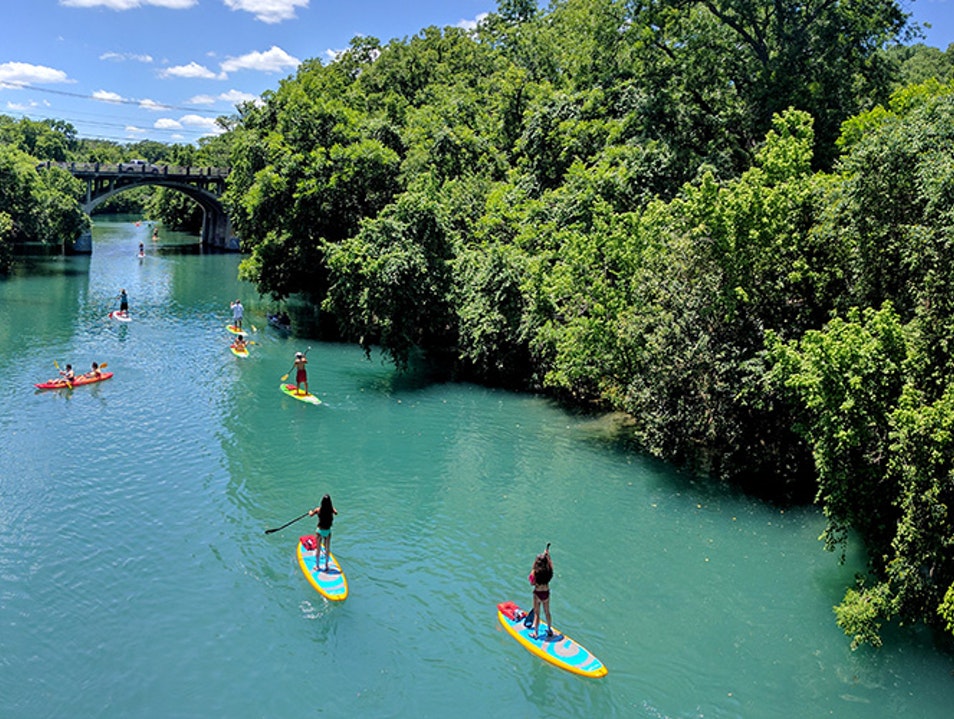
[137, 580]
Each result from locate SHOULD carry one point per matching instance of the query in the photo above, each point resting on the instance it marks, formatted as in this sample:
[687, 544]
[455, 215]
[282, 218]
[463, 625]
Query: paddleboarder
[237, 312]
[540, 576]
[326, 516]
[301, 374]
[123, 302]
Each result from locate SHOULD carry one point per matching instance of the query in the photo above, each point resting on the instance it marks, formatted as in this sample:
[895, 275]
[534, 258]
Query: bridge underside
[205, 189]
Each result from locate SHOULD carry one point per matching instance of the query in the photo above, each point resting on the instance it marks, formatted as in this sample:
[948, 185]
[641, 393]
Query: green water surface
[136, 578]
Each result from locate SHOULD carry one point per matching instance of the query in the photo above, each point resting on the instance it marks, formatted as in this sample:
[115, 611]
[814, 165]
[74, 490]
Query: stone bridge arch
[205, 185]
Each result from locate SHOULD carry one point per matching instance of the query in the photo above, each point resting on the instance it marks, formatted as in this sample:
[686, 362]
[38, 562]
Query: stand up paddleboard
[236, 330]
[292, 391]
[239, 352]
[557, 649]
[120, 316]
[331, 584]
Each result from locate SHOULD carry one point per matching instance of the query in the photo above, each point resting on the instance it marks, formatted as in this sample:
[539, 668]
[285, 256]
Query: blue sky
[127, 70]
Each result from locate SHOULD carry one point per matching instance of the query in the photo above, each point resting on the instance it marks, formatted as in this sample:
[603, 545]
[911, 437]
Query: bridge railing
[126, 169]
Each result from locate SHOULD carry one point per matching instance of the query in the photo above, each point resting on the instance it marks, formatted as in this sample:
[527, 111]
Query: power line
[122, 100]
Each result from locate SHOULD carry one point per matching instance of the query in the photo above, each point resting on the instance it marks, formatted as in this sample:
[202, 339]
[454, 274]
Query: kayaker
[237, 312]
[239, 342]
[94, 373]
[301, 374]
[66, 377]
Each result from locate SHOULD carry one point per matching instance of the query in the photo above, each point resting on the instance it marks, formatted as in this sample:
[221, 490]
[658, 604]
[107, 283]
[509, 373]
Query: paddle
[269, 531]
[285, 376]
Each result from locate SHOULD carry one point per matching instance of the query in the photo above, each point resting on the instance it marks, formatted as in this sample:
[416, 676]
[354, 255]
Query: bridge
[205, 185]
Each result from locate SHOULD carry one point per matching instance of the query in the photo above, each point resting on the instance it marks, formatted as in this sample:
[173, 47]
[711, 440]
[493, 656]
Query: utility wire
[125, 101]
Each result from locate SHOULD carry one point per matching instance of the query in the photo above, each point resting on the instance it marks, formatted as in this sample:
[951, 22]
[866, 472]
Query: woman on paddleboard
[540, 576]
[326, 516]
[123, 302]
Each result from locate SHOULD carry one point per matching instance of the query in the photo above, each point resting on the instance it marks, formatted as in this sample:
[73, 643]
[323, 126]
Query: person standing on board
[237, 312]
[123, 303]
[326, 516]
[301, 374]
[539, 578]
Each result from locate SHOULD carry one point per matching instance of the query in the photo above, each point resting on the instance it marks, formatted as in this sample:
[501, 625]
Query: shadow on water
[59, 266]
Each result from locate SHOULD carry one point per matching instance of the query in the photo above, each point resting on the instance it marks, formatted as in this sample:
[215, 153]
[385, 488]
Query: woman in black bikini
[326, 516]
[540, 578]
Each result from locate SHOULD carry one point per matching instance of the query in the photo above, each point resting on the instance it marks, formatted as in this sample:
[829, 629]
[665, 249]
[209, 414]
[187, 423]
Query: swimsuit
[302, 376]
[324, 532]
[542, 594]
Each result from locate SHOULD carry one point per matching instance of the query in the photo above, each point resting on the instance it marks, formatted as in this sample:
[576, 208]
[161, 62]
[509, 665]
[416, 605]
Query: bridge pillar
[217, 231]
[83, 245]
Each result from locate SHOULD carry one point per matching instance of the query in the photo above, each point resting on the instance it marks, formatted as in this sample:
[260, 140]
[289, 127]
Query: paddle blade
[104, 365]
[285, 376]
[56, 364]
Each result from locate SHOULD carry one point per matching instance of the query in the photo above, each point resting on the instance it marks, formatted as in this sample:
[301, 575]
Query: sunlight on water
[136, 578]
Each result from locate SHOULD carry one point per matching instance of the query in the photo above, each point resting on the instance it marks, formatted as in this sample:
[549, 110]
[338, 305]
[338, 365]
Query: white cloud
[21, 107]
[107, 96]
[472, 24]
[232, 96]
[133, 130]
[25, 73]
[192, 70]
[272, 60]
[268, 11]
[122, 56]
[130, 4]
[236, 96]
[152, 105]
[207, 125]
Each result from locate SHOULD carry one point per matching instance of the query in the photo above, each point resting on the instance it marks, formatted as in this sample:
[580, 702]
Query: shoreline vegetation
[733, 224]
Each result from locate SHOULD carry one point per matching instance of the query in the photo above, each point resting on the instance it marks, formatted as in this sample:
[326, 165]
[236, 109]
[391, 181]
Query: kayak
[292, 391]
[120, 316]
[331, 584]
[81, 380]
[553, 647]
[239, 352]
[277, 322]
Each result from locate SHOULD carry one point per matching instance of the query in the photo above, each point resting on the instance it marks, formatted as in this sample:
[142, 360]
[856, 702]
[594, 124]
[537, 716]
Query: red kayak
[63, 384]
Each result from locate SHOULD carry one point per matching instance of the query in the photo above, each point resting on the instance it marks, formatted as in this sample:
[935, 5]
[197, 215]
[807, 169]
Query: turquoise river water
[136, 578]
